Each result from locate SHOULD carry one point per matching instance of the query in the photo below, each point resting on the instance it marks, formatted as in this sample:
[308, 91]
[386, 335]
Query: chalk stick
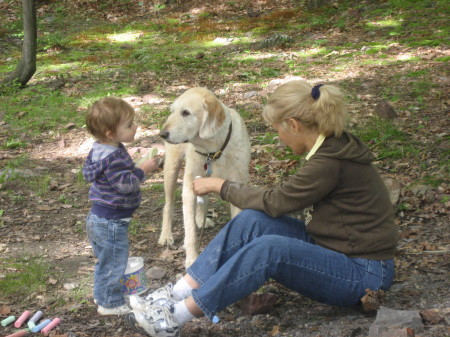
[22, 319]
[200, 199]
[19, 333]
[36, 317]
[49, 327]
[41, 326]
[31, 325]
[8, 320]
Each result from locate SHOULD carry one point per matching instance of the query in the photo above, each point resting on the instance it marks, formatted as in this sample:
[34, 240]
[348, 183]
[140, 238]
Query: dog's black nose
[164, 134]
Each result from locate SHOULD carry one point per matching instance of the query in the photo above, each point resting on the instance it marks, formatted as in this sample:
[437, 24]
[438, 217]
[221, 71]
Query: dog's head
[196, 113]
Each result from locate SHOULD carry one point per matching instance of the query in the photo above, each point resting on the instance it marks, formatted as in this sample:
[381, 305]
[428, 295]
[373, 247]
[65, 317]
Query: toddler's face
[126, 130]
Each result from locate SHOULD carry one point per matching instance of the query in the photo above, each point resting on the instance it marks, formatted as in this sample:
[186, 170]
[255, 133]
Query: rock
[13, 173]
[276, 40]
[421, 191]
[385, 110]
[394, 187]
[250, 94]
[70, 286]
[432, 316]
[391, 321]
[156, 273]
[371, 302]
[200, 55]
[444, 145]
[257, 303]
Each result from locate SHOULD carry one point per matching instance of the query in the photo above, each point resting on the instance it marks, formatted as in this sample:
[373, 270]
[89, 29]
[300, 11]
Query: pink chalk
[19, 333]
[22, 319]
[49, 327]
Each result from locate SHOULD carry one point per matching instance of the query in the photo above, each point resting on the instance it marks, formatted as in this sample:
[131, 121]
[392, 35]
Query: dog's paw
[166, 240]
[208, 222]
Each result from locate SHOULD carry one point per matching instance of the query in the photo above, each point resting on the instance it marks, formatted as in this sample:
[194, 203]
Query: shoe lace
[162, 317]
[163, 292]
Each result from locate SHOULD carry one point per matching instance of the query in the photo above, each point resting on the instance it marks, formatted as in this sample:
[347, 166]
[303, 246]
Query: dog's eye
[185, 113]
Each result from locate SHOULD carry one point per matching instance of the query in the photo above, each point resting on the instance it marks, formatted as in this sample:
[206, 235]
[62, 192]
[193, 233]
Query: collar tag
[208, 167]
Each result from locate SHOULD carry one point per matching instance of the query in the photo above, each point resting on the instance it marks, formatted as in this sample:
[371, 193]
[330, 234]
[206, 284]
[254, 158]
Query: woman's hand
[207, 185]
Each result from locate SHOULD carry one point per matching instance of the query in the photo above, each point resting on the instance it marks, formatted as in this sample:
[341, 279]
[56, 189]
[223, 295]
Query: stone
[257, 303]
[394, 187]
[156, 273]
[385, 110]
[390, 320]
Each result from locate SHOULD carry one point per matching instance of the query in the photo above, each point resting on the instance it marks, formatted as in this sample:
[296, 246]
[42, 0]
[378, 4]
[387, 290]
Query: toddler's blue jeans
[109, 240]
[254, 247]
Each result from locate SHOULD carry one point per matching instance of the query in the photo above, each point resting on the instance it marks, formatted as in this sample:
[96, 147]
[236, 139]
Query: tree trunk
[27, 66]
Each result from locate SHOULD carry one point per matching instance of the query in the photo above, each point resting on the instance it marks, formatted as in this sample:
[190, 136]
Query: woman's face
[295, 135]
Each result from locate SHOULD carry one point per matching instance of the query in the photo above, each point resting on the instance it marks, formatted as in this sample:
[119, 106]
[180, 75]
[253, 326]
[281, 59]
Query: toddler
[115, 195]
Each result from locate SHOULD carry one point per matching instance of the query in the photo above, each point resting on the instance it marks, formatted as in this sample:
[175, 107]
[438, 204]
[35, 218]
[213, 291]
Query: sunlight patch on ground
[385, 23]
[405, 56]
[58, 67]
[125, 37]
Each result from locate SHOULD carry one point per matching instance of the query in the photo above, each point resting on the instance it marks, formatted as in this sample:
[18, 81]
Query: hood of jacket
[346, 147]
[97, 161]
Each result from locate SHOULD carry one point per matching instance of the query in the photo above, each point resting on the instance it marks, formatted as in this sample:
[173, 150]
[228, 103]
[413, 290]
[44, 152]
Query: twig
[445, 251]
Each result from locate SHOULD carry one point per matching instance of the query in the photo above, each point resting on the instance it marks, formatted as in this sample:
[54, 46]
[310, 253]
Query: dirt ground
[54, 230]
[52, 227]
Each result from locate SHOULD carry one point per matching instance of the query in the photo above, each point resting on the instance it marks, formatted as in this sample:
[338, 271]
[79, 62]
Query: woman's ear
[294, 125]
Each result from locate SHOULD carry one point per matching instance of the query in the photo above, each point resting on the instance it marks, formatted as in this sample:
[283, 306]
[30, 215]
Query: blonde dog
[214, 141]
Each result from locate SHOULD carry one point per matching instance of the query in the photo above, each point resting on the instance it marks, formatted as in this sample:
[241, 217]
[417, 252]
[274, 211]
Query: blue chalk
[215, 320]
[41, 326]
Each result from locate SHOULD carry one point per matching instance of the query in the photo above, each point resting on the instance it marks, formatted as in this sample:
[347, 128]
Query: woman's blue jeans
[109, 240]
[254, 247]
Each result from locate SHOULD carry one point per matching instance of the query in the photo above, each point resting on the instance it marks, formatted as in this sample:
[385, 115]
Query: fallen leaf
[52, 281]
[372, 300]
[5, 310]
[275, 330]
[45, 208]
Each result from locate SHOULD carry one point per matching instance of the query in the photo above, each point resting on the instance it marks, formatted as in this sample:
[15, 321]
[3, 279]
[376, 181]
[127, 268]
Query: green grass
[23, 276]
[387, 141]
[97, 58]
[39, 185]
[157, 187]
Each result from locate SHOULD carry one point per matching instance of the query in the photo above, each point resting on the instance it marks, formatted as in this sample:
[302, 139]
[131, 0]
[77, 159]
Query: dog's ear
[212, 118]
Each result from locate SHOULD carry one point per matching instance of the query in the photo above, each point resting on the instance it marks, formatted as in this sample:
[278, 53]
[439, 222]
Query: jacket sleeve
[123, 176]
[312, 182]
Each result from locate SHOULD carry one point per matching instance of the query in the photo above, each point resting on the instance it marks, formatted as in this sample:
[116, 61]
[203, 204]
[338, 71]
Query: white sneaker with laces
[156, 322]
[160, 297]
[122, 310]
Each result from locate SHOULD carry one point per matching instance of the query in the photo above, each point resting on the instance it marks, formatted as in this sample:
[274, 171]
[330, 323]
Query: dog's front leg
[190, 236]
[172, 164]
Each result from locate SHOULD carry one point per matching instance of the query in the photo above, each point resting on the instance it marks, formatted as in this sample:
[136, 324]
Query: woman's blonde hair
[320, 107]
[105, 115]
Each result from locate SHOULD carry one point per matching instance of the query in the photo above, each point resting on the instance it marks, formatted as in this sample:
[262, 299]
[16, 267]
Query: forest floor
[52, 226]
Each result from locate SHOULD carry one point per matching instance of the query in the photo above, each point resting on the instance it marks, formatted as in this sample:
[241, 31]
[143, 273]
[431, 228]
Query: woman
[345, 246]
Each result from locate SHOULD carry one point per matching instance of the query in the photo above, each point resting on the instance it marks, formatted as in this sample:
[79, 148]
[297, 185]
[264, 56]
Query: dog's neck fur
[215, 143]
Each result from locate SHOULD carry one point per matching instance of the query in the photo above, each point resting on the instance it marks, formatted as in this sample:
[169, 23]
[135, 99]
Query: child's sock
[181, 289]
[181, 313]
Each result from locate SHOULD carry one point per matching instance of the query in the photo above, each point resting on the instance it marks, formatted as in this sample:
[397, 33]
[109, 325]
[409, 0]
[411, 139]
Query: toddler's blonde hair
[105, 115]
[294, 99]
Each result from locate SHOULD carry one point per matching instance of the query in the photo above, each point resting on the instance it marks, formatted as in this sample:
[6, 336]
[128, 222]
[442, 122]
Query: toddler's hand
[149, 165]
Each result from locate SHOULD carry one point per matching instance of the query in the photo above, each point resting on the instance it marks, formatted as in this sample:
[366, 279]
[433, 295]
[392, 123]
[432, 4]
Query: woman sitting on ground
[345, 245]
